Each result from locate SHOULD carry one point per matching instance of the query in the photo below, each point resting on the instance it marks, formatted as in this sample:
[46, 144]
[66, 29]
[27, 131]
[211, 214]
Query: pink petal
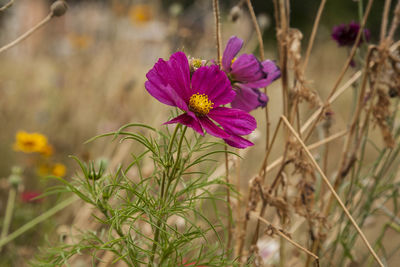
[211, 128]
[169, 81]
[248, 99]
[213, 82]
[189, 121]
[234, 121]
[164, 93]
[247, 68]
[273, 72]
[232, 48]
[180, 76]
[238, 141]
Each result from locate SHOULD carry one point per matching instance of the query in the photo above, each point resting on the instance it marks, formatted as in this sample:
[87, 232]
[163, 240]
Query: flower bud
[58, 8]
[15, 178]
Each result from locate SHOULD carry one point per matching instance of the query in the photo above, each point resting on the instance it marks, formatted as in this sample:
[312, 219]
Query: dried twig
[314, 118]
[282, 33]
[262, 57]
[27, 34]
[313, 34]
[279, 232]
[385, 17]
[9, 4]
[257, 28]
[217, 30]
[331, 138]
[326, 180]
[57, 9]
[395, 21]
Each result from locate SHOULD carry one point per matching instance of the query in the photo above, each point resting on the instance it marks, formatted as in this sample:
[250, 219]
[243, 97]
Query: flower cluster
[37, 143]
[202, 92]
[346, 34]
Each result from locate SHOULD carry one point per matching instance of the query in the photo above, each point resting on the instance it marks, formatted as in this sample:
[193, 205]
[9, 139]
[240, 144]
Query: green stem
[163, 191]
[360, 10]
[178, 157]
[171, 142]
[9, 213]
[37, 220]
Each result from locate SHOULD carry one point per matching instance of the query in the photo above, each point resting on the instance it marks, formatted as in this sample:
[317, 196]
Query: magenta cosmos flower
[247, 75]
[346, 34]
[200, 96]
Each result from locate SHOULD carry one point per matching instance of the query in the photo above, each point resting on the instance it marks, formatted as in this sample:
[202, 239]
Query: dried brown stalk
[357, 113]
[262, 57]
[27, 34]
[346, 161]
[315, 145]
[314, 118]
[385, 17]
[330, 187]
[257, 28]
[9, 4]
[57, 9]
[217, 30]
[313, 34]
[252, 184]
[304, 128]
[395, 21]
[266, 169]
[281, 233]
[262, 171]
[282, 33]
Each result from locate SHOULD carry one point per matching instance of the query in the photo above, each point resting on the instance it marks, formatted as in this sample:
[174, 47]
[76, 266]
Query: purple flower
[346, 34]
[247, 75]
[200, 96]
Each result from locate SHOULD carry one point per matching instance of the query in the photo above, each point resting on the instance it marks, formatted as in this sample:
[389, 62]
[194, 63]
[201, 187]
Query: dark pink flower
[346, 34]
[30, 197]
[247, 75]
[201, 97]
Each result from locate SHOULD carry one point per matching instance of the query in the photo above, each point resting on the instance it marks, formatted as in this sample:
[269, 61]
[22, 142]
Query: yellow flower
[140, 13]
[29, 142]
[59, 170]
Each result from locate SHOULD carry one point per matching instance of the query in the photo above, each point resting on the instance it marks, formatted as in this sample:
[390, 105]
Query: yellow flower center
[233, 60]
[196, 62]
[200, 104]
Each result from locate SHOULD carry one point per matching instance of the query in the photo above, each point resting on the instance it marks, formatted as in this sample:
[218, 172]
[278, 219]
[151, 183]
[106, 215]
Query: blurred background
[83, 74]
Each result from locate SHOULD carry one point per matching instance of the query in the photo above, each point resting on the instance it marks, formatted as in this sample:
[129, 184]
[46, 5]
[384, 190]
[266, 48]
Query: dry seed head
[58, 8]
